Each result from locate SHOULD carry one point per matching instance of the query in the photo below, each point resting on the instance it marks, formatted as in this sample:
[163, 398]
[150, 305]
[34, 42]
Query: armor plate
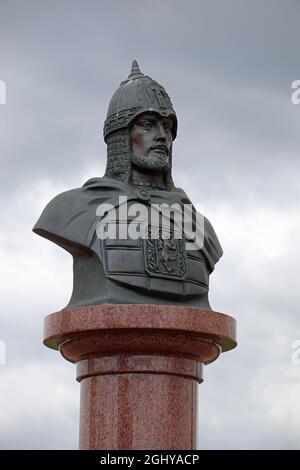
[154, 263]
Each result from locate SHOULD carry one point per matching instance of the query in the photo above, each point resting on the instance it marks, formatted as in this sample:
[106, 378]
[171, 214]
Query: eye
[147, 125]
[168, 124]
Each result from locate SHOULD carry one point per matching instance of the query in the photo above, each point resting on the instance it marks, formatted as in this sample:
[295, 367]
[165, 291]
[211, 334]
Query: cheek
[137, 138]
[137, 141]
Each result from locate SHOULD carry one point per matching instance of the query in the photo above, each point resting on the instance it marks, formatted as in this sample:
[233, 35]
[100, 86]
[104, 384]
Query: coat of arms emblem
[165, 254]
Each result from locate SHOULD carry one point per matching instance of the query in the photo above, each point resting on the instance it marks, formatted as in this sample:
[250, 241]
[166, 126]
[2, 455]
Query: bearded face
[151, 140]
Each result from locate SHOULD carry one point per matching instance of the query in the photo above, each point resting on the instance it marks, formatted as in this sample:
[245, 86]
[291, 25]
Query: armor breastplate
[153, 263]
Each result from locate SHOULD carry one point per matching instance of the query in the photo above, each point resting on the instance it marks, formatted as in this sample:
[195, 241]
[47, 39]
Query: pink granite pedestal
[139, 367]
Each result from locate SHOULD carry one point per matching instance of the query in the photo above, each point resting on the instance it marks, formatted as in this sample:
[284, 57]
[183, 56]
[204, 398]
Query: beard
[159, 163]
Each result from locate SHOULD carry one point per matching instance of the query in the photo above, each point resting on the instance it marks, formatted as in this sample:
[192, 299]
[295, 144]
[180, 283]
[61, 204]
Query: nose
[160, 132]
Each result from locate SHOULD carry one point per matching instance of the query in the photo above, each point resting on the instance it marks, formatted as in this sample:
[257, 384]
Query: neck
[154, 180]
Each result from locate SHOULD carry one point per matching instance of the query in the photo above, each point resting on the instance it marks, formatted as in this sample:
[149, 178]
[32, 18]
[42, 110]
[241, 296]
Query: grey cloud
[224, 72]
[228, 69]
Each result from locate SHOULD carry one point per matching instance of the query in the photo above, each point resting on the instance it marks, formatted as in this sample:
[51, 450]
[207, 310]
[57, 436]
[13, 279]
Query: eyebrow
[165, 120]
[146, 118]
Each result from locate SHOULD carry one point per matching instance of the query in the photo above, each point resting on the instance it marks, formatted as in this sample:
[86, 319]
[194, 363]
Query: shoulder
[57, 211]
[69, 218]
[212, 245]
[69, 205]
[54, 222]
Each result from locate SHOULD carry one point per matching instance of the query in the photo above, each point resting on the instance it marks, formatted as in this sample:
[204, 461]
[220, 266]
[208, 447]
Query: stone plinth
[139, 366]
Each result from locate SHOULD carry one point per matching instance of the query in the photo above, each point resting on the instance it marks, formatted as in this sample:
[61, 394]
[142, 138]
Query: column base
[139, 366]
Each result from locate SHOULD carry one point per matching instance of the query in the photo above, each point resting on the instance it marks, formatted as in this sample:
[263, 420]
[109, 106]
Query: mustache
[160, 147]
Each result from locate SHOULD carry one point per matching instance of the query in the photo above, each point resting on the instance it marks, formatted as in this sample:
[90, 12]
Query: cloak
[70, 219]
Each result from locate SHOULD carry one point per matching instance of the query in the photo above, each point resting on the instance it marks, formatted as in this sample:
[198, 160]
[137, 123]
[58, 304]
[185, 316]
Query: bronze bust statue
[139, 131]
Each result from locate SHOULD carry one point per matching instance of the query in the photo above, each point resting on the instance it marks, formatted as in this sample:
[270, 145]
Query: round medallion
[143, 194]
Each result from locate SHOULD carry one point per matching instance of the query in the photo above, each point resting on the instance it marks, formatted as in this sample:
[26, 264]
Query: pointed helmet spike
[135, 70]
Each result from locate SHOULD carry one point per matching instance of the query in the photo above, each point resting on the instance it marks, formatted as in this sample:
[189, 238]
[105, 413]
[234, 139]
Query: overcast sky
[228, 67]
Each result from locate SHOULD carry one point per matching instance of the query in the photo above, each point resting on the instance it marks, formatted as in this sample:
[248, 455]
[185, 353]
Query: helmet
[136, 95]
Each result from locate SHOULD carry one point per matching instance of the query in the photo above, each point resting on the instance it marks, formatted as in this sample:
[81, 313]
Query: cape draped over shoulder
[70, 219]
